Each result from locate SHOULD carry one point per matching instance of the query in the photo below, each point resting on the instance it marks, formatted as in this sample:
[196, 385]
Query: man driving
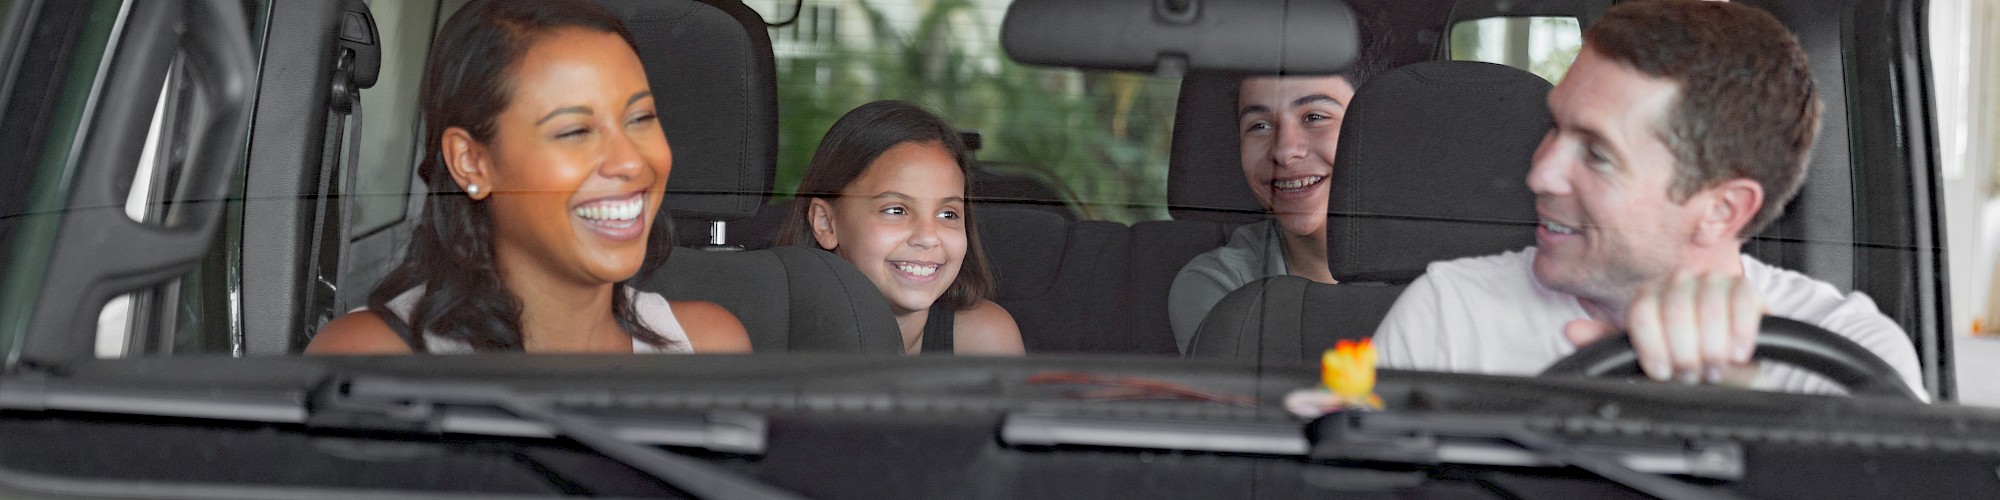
[1682, 128]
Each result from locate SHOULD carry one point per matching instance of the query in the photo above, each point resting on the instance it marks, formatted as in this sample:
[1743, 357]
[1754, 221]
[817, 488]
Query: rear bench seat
[1062, 281]
[1097, 286]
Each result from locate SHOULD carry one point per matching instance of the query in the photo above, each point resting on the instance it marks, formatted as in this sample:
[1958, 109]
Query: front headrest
[1205, 172]
[715, 86]
[1433, 165]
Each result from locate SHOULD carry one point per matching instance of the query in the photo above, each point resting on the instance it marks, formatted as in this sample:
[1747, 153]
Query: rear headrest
[1024, 247]
[1433, 165]
[715, 85]
[1204, 172]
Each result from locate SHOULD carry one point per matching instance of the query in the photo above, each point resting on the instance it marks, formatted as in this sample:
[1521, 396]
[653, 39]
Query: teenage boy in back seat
[1287, 127]
[1682, 128]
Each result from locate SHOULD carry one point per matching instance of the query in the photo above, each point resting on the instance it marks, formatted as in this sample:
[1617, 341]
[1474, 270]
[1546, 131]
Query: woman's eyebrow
[572, 109]
[891, 194]
[584, 110]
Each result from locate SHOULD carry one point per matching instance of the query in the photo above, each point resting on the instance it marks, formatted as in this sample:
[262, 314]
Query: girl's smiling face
[574, 171]
[901, 223]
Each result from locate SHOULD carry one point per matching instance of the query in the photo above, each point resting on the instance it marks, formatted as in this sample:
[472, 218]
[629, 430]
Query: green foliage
[1554, 63]
[1550, 63]
[1102, 137]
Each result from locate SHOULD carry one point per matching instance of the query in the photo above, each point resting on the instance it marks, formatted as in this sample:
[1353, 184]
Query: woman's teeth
[1558, 228]
[1297, 183]
[917, 270]
[612, 211]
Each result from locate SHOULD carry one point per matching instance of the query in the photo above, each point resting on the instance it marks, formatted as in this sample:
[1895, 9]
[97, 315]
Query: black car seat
[1432, 165]
[1205, 172]
[710, 59]
[1064, 282]
[1096, 286]
[1207, 199]
[1018, 185]
[789, 298]
[710, 65]
[1009, 184]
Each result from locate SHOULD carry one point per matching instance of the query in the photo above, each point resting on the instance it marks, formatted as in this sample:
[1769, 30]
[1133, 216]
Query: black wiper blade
[1046, 428]
[39, 391]
[36, 391]
[1418, 439]
[379, 402]
[1407, 438]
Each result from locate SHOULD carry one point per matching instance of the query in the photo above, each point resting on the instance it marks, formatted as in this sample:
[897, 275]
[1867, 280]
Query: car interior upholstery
[716, 84]
[718, 99]
[1059, 277]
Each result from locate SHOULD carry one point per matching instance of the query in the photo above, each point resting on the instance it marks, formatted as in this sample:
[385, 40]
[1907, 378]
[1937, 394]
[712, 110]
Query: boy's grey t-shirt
[1254, 252]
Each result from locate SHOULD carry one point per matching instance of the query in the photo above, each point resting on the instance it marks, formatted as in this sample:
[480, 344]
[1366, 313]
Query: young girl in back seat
[886, 190]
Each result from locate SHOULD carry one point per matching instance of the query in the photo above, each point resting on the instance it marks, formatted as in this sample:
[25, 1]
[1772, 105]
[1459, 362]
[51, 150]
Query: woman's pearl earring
[472, 190]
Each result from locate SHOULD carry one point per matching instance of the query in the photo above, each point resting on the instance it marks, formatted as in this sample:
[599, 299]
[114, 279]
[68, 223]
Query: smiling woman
[547, 163]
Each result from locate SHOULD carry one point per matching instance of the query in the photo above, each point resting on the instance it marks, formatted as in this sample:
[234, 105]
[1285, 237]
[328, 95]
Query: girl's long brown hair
[855, 141]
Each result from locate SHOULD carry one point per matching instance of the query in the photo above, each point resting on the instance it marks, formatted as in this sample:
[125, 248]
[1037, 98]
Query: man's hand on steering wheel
[1690, 328]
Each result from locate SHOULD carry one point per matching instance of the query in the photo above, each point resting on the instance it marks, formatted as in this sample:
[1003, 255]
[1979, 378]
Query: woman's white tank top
[653, 311]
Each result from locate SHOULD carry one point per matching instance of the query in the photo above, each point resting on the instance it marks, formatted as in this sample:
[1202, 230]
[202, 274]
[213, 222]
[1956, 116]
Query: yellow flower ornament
[1347, 372]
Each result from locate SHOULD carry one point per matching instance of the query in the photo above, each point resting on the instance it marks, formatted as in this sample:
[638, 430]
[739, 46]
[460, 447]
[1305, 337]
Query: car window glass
[1544, 46]
[1101, 137]
[389, 132]
[26, 242]
[195, 312]
[114, 322]
[380, 177]
[171, 317]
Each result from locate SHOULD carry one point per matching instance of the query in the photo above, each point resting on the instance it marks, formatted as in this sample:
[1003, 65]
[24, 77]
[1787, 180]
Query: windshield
[1453, 187]
[998, 207]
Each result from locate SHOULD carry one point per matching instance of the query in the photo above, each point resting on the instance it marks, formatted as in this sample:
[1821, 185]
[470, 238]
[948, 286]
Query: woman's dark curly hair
[466, 85]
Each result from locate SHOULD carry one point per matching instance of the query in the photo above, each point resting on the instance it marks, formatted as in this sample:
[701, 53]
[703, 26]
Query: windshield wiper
[1421, 438]
[378, 402]
[1416, 439]
[38, 390]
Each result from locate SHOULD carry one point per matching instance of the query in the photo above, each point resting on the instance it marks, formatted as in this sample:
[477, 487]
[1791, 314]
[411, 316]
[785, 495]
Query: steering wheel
[1783, 340]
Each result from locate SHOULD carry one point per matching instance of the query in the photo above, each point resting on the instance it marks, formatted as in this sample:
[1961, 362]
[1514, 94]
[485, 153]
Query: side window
[389, 142]
[193, 313]
[138, 312]
[381, 176]
[1544, 46]
[1098, 139]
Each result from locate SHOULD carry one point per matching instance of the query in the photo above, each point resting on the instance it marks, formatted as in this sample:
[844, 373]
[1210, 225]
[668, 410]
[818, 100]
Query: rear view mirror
[1171, 36]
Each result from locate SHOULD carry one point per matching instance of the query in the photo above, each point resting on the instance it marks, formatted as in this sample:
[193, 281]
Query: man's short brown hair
[1747, 105]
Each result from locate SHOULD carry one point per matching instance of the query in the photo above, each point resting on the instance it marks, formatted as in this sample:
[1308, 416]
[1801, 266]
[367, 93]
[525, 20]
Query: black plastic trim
[283, 173]
[100, 252]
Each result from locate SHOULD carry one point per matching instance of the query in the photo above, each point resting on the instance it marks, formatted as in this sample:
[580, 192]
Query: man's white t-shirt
[1489, 315]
